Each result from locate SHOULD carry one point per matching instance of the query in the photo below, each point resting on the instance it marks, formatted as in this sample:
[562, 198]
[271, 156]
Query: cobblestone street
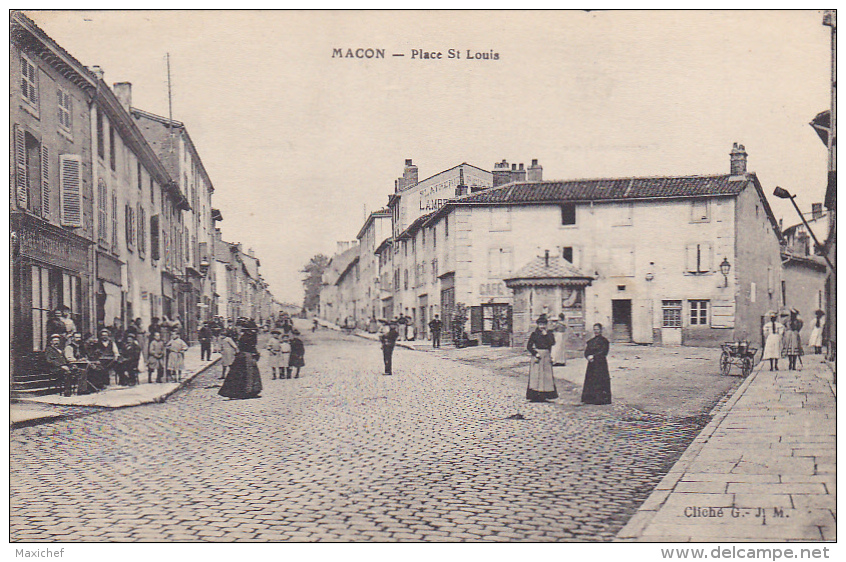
[345, 454]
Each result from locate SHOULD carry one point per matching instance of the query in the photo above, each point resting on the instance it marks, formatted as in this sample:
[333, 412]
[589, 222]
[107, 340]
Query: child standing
[284, 357]
[155, 357]
[176, 349]
[274, 351]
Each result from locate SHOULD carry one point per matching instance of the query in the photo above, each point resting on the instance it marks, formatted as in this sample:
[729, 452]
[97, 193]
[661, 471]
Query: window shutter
[690, 257]
[20, 167]
[507, 262]
[70, 190]
[154, 237]
[114, 221]
[707, 256]
[45, 182]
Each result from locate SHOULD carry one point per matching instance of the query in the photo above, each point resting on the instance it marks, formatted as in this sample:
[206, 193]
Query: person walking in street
[559, 350]
[274, 352]
[297, 358]
[243, 380]
[410, 331]
[435, 326]
[791, 344]
[389, 341]
[176, 349]
[816, 339]
[156, 357]
[228, 350]
[597, 386]
[205, 336]
[773, 333]
[541, 385]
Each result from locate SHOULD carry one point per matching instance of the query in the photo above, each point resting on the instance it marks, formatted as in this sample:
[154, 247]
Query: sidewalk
[39, 409]
[415, 344]
[762, 470]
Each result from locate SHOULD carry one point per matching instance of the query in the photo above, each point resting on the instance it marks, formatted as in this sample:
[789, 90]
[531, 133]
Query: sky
[299, 145]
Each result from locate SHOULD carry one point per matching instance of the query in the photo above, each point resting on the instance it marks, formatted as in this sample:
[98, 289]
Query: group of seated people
[89, 365]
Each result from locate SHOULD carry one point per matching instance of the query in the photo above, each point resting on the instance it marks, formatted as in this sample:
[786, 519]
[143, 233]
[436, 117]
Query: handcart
[738, 353]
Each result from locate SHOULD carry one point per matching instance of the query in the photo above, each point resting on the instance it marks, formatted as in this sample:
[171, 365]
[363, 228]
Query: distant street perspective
[435, 452]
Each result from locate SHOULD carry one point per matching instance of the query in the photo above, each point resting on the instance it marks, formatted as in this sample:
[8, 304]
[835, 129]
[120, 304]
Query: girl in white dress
[773, 333]
[816, 339]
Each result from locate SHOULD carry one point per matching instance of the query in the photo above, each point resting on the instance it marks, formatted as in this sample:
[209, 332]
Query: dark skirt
[243, 379]
[597, 387]
[296, 361]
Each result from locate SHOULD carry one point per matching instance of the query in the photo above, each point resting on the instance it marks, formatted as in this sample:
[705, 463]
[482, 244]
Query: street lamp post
[782, 193]
[725, 268]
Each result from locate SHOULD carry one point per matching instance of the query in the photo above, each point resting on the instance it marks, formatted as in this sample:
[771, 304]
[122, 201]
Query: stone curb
[153, 400]
[649, 509]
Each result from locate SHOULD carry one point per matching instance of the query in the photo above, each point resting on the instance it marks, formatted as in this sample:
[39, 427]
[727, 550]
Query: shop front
[50, 270]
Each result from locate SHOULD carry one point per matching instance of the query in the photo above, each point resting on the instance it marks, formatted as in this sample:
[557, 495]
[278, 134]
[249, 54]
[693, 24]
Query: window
[65, 109]
[446, 226]
[499, 262]
[101, 141]
[112, 148]
[672, 312]
[152, 192]
[623, 262]
[40, 306]
[138, 174]
[567, 253]
[102, 212]
[568, 214]
[29, 82]
[500, 218]
[698, 257]
[32, 181]
[699, 313]
[700, 210]
[784, 293]
[405, 279]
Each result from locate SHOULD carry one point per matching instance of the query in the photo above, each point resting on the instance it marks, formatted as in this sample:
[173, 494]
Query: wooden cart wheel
[746, 368]
[725, 363]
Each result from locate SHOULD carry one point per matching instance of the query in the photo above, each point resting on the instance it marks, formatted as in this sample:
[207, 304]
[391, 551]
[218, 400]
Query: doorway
[621, 320]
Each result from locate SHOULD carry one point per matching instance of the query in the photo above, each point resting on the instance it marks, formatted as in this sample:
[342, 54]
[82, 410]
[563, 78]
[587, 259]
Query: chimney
[123, 92]
[461, 189]
[97, 71]
[535, 171]
[816, 211]
[518, 174]
[738, 160]
[501, 174]
[409, 174]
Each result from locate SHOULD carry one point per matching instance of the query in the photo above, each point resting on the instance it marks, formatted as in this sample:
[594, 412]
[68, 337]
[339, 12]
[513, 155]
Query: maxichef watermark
[740, 552]
[39, 553]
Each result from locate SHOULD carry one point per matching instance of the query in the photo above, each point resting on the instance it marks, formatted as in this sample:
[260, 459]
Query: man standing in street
[205, 336]
[435, 326]
[389, 340]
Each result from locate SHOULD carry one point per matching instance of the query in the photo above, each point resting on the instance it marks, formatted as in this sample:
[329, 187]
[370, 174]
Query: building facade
[692, 260]
[51, 196]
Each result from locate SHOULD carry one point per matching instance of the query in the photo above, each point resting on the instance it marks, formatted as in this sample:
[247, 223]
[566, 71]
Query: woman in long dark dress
[597, 387]
[541, 384]
[243, 379]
